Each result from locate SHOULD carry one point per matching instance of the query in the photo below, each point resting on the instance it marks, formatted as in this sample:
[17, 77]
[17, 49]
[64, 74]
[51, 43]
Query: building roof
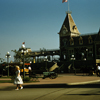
[97, 37]
[69, 25]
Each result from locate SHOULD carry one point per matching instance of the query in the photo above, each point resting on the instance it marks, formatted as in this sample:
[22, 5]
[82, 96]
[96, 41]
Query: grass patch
[26, 79]
[6, 81]
[4, 77]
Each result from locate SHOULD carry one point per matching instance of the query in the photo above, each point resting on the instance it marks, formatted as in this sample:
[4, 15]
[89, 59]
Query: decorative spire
[69, 27]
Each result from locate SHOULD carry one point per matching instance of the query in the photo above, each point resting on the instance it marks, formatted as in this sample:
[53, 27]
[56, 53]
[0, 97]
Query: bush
[13, 77]
[26, 79]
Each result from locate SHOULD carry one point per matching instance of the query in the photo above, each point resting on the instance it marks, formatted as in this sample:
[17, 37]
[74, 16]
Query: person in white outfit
[18, 80]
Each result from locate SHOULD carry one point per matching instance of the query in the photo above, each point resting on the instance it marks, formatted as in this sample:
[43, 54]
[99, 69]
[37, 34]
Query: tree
[18, 57]
[1, 59]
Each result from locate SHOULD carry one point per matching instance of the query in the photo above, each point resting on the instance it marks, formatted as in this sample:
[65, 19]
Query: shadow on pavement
[95, 85]
[9, 88]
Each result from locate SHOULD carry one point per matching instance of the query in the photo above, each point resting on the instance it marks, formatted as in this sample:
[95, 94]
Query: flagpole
[68, 8]
[68, 5]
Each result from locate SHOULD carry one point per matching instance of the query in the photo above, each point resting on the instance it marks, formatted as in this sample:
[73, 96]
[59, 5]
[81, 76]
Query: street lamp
[8, 56]
[23, 52]
[73, 58]
[86, 59]
[46, 60]
[86, 53]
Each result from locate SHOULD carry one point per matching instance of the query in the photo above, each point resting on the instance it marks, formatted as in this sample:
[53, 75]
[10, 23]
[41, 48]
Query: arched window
[80, 40]
[74, 28]
[90, 40]
[71, 41]
[65, 41]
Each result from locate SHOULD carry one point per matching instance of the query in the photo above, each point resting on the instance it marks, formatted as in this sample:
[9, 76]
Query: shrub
[26, 79]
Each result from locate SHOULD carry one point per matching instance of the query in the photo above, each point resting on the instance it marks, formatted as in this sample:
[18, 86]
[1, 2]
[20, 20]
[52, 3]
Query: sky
[37, 22]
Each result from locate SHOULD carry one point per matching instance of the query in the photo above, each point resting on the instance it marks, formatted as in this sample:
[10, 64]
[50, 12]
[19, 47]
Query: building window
[90, 53]
[71, 41]
[74, 28]
[71, 52]
[80, 40]
[90, 50]
[65, 42]
[64, 56]
[90, 40]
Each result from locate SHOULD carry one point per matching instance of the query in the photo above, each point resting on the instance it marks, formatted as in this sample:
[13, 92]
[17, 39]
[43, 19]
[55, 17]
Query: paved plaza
[64, 87]
[66, 79]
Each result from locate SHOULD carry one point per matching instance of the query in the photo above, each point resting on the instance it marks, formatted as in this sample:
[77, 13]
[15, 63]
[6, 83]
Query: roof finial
[68, 5]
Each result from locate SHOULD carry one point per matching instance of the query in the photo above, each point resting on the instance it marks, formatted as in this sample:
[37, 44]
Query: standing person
[29, 68]
[98, 68]
[18, 80]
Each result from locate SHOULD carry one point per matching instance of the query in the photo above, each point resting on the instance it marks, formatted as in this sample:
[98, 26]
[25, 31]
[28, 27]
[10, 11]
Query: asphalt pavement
[64, 87]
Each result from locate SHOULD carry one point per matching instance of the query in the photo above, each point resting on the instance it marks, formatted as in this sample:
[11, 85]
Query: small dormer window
[80, 40]
[90, 40]
[74, 27]
[71, 41]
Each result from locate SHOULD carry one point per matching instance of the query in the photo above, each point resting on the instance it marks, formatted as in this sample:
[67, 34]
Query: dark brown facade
[83, 50]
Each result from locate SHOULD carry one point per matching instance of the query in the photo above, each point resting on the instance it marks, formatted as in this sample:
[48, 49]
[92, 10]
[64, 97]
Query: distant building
[83, 50]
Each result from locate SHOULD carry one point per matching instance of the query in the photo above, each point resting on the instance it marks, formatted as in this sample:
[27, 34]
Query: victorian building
[77, 49]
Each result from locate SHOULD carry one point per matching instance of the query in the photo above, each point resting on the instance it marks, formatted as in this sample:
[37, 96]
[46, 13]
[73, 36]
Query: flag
[23, 43]
[64, 1]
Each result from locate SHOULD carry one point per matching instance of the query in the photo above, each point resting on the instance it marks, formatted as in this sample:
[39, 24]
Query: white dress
[18, 79]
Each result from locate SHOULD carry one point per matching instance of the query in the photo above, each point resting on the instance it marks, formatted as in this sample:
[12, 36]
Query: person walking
[18, 80]
[29, 68]
[98, 70]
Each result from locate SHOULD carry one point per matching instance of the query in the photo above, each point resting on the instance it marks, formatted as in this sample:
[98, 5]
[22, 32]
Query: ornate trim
[80, 40]
[71, 41]
[90, 39]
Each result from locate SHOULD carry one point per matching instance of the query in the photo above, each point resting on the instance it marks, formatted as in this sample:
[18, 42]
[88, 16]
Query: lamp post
[8, 56]
[86, 53]
[86, 60]
[23, 52]
[46, 60]
[73, 58]
[83, 62]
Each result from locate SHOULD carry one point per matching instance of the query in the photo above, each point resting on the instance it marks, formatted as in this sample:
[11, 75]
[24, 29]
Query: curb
[83, 83]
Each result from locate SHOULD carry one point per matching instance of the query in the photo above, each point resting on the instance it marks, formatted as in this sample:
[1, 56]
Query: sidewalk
[61, 79]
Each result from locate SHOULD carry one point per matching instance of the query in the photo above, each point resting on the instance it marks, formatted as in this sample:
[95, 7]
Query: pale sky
[37, 22]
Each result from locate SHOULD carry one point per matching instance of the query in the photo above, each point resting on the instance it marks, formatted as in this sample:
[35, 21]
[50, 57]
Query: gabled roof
[69, 24]
[72, 25]
[66, 24]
